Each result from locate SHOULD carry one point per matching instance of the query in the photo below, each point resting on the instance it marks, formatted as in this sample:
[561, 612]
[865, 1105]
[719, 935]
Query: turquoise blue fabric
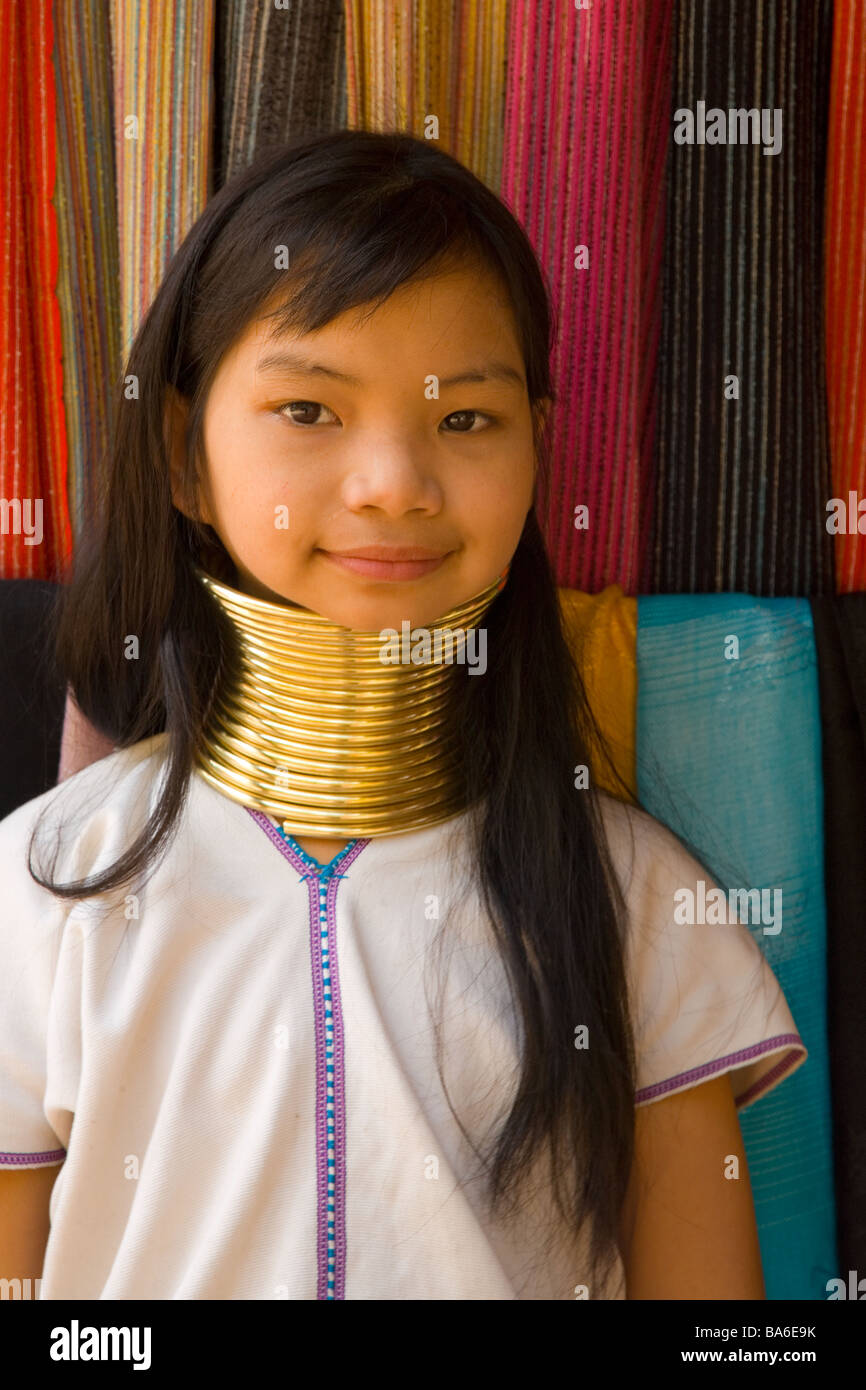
[728, 750]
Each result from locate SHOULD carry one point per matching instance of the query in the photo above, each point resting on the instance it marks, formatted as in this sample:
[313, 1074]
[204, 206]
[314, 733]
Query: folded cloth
[602, 629]
[729, 757]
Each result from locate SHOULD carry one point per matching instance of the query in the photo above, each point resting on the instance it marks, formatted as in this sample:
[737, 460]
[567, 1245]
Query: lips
[393, 554]
[388, 562]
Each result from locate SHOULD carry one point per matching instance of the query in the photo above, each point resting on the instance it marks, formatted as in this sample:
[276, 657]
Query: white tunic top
[235, 1062]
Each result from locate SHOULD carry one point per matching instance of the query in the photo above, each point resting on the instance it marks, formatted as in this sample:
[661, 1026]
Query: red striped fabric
[845, 280]
[35, 535]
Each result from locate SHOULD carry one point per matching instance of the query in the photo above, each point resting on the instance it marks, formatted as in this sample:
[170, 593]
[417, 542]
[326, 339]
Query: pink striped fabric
[586, 132]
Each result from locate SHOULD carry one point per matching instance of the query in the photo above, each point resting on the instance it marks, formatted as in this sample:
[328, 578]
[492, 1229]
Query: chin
[389, 610]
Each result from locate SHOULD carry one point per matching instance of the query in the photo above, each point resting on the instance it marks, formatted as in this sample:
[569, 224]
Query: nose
[394, 477]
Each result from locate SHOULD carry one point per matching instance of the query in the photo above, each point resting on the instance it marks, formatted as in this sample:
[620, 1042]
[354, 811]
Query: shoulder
[648, 857]
[654, 869]
[704, 998]
[81, 825]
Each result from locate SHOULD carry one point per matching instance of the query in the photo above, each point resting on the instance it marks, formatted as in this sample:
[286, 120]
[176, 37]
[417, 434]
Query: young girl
[338, 979]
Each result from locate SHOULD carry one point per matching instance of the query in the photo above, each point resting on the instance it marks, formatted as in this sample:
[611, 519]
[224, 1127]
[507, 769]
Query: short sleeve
[31, 934]
[704, 998]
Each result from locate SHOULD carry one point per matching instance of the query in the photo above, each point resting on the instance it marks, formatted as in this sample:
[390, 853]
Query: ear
[175, 417]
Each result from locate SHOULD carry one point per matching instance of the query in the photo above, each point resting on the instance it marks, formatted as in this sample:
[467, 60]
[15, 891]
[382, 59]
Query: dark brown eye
[304, 406]
[463, 415]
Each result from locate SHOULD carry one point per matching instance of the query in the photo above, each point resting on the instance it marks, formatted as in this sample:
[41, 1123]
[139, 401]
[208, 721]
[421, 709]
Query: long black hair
[361, 213]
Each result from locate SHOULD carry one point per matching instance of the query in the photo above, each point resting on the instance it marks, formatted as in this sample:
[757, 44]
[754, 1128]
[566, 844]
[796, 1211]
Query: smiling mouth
[369, 562]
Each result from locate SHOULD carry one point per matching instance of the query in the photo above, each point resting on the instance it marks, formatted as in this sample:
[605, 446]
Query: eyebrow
[276, 362]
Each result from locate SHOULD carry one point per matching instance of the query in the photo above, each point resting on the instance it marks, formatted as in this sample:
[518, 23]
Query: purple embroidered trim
[334, 1288]
[782, 1067]
[26, 1160]
[338, 1289]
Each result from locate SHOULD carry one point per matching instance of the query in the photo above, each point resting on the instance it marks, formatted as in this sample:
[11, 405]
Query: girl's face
[321, 445]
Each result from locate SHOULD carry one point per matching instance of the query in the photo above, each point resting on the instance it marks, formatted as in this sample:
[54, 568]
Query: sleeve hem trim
[32, 1160]
[792, 1058]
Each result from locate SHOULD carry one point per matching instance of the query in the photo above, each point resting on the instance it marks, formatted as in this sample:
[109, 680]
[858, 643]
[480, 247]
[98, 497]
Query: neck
[313, 723]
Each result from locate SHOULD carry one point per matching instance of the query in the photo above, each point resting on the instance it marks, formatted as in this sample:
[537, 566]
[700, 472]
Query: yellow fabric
[431, 71]
[603, 632]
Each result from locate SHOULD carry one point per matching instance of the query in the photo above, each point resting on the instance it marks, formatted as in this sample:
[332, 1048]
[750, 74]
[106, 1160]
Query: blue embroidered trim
[330, 1065]
[324, 870]
[325, 873]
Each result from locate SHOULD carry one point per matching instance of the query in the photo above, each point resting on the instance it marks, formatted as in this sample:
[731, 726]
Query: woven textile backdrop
[708, 275]
[692, 175]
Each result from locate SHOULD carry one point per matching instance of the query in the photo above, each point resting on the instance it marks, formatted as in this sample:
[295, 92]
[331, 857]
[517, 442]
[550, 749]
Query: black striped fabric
[278, 73]
[741, 484]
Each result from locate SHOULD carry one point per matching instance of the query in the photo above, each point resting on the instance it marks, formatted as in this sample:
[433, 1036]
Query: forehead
[464, 309]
